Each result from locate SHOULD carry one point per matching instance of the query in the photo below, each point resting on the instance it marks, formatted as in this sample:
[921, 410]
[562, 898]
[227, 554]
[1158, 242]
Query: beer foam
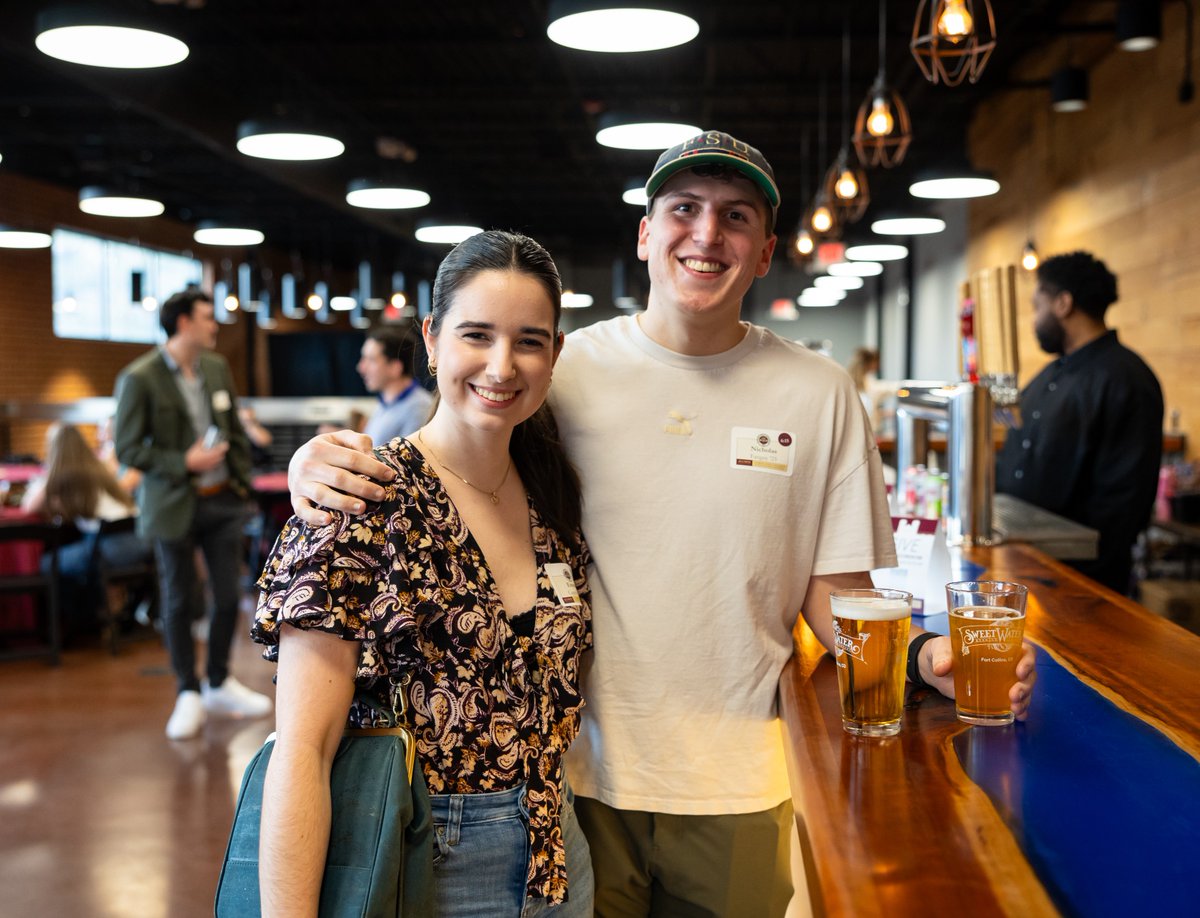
[869, 609]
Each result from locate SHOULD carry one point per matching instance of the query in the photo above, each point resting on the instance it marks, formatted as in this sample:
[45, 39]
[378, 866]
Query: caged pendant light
[882, 130]
[821, 218]
[953, 39]
[846, 183]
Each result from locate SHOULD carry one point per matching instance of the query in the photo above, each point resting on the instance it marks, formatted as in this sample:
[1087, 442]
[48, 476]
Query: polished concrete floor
[101, 816]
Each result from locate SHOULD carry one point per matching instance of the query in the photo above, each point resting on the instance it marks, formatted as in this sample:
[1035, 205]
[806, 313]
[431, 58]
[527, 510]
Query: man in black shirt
[1090, 443]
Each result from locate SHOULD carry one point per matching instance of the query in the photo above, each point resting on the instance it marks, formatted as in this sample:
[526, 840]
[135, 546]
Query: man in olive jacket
[177, 422]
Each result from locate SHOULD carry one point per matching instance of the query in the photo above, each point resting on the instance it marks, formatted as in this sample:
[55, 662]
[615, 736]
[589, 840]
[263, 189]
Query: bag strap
[394, 720]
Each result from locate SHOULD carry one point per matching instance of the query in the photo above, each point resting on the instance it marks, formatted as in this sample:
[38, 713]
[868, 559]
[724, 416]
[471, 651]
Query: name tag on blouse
[563, 583]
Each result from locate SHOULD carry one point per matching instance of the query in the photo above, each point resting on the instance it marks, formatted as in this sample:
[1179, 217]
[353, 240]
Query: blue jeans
[482, 856]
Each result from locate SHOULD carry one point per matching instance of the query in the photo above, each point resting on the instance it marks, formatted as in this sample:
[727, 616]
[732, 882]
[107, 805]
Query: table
[1092, 807]
[274, 508]
[14, 479]
[18, 613]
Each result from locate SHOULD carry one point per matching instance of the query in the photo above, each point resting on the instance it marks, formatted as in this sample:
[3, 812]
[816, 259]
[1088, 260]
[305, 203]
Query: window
[106, 290]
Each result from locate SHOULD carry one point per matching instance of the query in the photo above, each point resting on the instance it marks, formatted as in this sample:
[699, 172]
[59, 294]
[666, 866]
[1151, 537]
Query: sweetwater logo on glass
[993, 637]
[852, 644]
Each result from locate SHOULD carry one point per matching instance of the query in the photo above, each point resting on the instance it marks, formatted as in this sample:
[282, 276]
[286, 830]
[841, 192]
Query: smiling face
[706, 241]
[494, 350]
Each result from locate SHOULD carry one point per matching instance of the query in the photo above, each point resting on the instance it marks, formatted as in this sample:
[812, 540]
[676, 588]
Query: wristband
[914, 655]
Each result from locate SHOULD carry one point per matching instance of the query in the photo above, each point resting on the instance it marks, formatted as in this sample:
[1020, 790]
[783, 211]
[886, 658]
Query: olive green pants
[665, 866]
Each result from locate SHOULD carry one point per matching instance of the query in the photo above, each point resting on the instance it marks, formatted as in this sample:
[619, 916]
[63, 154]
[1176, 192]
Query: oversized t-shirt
[714, 488]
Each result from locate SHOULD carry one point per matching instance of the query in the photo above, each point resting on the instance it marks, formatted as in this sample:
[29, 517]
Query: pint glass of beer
[987, 621]
[870, 631]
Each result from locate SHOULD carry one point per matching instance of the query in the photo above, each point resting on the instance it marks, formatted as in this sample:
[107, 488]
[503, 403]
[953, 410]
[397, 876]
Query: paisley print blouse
[493, 704]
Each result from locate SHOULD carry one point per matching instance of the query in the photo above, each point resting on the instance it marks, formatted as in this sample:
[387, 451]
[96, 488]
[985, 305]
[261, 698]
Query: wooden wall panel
[1121, 180]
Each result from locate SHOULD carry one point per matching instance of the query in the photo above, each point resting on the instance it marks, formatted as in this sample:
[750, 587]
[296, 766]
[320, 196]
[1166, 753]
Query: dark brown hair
[75, 478]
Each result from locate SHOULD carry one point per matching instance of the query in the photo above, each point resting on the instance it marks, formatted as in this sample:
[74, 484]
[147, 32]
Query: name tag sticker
[221, 401]
[771, 451]
[563, 582]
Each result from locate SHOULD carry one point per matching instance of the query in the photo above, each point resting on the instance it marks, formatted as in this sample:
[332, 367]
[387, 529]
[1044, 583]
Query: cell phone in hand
[212, 436]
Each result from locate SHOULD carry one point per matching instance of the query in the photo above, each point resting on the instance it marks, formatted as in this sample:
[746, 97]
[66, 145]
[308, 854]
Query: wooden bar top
[1091, 807]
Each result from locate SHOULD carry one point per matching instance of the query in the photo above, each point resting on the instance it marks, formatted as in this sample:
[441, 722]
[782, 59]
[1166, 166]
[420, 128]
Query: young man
[386, 368]
[1090, 444]
[177, 423]
[704, 555]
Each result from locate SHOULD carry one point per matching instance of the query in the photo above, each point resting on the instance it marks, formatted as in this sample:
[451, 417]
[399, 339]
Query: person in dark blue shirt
[1090, 441]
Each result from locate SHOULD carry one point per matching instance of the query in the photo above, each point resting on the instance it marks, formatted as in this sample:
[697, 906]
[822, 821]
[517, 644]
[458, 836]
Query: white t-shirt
[714, 487]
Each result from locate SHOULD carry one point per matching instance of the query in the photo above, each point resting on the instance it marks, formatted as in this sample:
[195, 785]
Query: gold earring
[432, 368]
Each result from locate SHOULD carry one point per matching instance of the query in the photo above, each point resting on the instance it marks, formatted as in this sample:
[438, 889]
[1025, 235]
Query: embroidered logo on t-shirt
[679, 424]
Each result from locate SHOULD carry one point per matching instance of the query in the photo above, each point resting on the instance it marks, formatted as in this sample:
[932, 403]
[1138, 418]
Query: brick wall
[35, 366]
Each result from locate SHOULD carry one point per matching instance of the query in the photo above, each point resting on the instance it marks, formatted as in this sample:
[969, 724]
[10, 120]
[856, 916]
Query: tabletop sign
[923, 564]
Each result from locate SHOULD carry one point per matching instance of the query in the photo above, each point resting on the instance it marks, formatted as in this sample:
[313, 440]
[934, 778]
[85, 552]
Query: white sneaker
[233, 699]
[188, 717]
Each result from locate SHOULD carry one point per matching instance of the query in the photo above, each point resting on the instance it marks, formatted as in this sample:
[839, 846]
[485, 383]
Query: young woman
[464, 589]
[77, 486]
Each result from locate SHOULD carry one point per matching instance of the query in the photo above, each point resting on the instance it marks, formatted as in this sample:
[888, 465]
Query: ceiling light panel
[612, 29]
[855, 269]
[645, 135]
[118, 47]
[227, 235]
[278, 141]
[954, 188]
[380, 196]
[446, 233]
[877, 252]
[908, 226]
[103, 203]
[832, 282]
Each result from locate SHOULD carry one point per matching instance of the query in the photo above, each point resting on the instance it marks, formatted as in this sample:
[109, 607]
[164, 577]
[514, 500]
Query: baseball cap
[719, 148]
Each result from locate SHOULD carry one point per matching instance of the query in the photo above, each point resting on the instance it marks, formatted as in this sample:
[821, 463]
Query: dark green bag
[380, 858]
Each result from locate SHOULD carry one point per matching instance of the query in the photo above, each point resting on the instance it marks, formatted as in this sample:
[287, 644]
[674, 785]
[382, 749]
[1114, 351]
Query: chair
[128, 572]
[22, 545]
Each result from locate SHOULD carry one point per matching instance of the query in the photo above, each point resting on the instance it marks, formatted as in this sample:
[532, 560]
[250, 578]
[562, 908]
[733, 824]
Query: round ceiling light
[273, 140]
[446, 233]
[833, 282]
[80, 39]
[572, 300]
[954, 187]
[383, 196]
[215, 234]
[818, 297]
[879, 251]
[102, 202]
[908, 226]
[645, 135]
[616, 28]
[855, 269]
[635, 193]
[11, 238]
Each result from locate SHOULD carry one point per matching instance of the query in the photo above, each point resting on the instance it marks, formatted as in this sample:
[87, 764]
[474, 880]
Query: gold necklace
[492, 494]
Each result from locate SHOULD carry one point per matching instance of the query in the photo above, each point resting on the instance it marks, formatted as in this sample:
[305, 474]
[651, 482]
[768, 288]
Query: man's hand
[325, 472]
[936, 663]
[200, 458]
